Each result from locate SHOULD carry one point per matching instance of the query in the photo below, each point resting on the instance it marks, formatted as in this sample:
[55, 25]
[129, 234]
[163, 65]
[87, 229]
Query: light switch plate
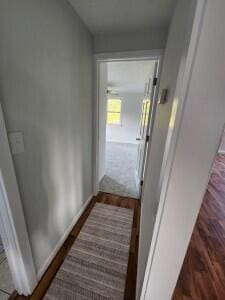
[16, 142]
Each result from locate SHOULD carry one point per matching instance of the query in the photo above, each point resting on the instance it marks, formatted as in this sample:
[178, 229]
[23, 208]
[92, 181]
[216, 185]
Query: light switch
[16, 142]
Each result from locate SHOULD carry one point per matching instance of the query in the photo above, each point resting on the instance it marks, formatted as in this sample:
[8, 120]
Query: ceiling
[113, 16]
[129, 77]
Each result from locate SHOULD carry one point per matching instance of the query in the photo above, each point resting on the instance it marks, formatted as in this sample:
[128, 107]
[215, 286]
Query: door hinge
[155, 81]
[141, 182]
[147, 138]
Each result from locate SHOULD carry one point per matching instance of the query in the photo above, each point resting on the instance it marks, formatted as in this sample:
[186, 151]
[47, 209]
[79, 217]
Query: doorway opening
[126, 91]
[203, 272]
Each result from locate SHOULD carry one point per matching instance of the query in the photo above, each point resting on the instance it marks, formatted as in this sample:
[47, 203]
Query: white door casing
[199, 124]
[147, 118]
[155, 55]
[12, 222]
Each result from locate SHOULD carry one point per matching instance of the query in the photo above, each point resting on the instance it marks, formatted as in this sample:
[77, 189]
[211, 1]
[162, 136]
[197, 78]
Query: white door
[146, 125]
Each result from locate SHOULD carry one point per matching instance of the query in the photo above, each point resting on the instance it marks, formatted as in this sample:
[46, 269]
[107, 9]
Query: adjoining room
[203, 272]
[124, 119]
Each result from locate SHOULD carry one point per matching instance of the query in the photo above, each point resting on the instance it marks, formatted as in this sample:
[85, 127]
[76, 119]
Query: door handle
[138, 139]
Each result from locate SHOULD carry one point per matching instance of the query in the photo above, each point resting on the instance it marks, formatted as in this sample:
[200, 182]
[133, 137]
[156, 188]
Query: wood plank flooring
[203, 273]
[133, 255]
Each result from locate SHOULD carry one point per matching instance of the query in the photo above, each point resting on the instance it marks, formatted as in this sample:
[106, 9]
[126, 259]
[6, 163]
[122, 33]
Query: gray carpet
[96, 265]
[121, 159]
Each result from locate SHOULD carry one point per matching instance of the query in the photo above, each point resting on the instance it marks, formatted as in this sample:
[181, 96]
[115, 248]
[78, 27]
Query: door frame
[156, 54]
[13, 228]
[149, 129]
[166, 169]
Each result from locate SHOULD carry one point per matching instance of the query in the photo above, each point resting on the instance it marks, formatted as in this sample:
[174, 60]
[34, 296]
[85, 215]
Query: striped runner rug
[96, 265]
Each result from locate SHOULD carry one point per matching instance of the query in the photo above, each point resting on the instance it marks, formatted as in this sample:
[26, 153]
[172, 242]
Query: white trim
[12, 222]
[137, 181]
[118, 98]
[62, 240]
[156, 54]
[199, 14]
[129, 55]
[96, 127]
[11, 247]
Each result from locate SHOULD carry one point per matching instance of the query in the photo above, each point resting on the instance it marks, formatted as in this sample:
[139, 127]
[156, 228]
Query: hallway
[106, 107]
[60, 264]
[121, 159]
[203, 273]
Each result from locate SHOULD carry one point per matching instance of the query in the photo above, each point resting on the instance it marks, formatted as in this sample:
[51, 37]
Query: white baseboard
[62, 240]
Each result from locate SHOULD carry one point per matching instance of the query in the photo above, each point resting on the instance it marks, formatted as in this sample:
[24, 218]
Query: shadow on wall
[62, 195]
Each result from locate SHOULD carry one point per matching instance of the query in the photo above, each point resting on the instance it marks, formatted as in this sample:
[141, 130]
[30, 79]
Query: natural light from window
[114, 111]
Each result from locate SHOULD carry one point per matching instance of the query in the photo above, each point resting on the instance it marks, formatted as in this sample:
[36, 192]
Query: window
[145, 112]
[114, 111]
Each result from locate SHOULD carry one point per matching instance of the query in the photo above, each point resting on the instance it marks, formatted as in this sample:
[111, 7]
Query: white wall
[201, 127]
[222, 145]
[174, 52]
[141, 40]
[103, 71]
[46, 87]
[128, 131]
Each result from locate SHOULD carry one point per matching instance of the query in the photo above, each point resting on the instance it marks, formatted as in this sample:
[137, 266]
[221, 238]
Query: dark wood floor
[203, 273]
[132, 263]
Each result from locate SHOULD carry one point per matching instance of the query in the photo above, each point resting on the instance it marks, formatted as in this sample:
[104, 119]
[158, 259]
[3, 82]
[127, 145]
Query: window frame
[107, 111]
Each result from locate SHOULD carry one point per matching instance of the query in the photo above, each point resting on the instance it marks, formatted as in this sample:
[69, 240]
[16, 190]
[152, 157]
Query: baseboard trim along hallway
[64, 237]
[103, 209]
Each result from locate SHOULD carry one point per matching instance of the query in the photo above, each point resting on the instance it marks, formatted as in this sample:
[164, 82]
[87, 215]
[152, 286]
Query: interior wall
[103, 73]
[128, 130]
[141, 40]
[46, 92]
[174, 57]
[222, 145]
